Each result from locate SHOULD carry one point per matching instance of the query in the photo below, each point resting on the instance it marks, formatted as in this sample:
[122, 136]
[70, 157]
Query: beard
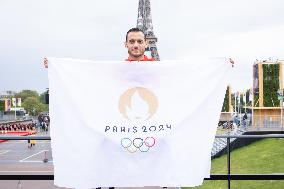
[136, 55]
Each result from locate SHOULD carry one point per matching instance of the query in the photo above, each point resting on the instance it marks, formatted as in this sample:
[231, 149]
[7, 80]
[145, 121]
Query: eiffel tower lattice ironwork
[144, 22]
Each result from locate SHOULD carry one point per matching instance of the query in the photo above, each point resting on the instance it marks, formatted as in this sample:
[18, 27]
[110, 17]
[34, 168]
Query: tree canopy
[32, 102]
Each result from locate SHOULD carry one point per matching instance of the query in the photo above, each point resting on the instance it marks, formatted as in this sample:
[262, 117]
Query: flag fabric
[134, 124]
[239, 97]
[19, 102]
[14, 102]
[250, 95]
[7, 104]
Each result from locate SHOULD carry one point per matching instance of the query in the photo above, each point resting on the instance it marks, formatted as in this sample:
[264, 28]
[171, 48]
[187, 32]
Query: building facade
[267, 106]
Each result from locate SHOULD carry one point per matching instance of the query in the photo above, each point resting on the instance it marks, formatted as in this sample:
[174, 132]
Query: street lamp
[14, 103]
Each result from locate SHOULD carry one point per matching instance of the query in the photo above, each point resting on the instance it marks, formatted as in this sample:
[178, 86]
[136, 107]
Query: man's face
[136, 44]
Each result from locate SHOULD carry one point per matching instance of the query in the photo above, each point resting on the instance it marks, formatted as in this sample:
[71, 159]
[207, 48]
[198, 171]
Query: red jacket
[144, 59]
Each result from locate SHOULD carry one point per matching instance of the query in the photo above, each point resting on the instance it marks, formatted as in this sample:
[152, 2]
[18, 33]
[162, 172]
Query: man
[136, 45]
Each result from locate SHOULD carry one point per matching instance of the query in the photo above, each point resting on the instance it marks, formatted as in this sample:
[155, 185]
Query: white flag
[14, 102]
[239, 97]
[250, 95]
[19, 102]
[148, 123]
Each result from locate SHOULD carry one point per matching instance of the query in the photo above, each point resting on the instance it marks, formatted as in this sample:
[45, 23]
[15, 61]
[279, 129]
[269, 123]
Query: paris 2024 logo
[138, 104]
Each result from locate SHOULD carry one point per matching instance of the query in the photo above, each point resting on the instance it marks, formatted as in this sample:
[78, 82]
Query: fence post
[229, 162]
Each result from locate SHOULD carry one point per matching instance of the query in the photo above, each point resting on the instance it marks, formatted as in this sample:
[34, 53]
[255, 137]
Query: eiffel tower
[144, 22]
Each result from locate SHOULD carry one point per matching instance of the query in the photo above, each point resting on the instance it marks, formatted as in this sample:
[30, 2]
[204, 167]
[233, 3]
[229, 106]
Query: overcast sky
[244, 30]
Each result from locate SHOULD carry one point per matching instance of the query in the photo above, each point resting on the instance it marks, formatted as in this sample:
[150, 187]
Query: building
[267, 106]
[7, 94]
[8, 101]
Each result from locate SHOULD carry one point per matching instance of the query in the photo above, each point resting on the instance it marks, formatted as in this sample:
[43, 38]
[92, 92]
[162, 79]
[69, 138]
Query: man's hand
[45, 62]
[232, 62]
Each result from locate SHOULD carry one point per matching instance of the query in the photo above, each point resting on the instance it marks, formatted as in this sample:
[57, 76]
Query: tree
[24, 94]
[33, 106]
[226, 105]
[42, 97]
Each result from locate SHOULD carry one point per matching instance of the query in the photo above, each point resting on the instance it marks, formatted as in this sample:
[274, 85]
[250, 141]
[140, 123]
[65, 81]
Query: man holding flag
[170, 108]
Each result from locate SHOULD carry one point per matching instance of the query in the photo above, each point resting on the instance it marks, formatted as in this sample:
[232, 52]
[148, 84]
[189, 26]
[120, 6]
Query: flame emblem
[138, 104]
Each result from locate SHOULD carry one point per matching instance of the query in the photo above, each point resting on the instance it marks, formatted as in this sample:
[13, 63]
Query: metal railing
[228, 176]
[15, 121]
[268, 121]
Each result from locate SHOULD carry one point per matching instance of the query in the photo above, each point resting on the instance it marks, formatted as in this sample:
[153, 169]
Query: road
[17, 158]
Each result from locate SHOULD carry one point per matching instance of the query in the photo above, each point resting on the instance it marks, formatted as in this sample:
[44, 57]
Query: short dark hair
[135, 30]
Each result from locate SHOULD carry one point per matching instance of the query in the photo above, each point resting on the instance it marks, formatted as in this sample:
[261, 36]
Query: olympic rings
[138, 142]
[132, 149]
[144, 148]
[143, 145]
[150, 141]
[126, 142]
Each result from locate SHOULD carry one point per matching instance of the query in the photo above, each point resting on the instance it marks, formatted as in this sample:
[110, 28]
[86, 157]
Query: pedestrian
[29, 144]
[245, 119]
[33, 142]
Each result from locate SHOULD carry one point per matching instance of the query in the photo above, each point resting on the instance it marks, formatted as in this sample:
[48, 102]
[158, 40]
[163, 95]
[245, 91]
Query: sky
[93, 29]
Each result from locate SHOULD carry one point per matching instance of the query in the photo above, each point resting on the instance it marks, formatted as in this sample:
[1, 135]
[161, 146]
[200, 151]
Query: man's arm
[45, 62]
[232, 62]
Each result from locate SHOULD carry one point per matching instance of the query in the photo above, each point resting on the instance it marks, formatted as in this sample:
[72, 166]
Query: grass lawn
[262, 157]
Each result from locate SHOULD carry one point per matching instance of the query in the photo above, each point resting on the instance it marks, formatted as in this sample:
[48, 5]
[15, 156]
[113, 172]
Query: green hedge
[270, 85]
